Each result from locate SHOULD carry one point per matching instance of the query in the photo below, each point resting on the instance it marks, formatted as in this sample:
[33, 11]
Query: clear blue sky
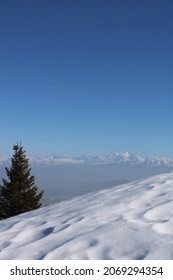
[86, 77]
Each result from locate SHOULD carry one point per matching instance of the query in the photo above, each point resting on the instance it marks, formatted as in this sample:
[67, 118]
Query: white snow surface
[132, 221]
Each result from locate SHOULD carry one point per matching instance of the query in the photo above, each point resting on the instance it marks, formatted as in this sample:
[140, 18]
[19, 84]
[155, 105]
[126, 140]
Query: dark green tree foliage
[18, 194]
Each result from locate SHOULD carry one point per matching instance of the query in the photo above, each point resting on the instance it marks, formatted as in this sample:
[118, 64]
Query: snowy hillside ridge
[131, 221]
[114, 158]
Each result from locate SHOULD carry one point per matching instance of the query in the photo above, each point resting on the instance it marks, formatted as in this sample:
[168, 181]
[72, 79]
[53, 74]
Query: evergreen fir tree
[18, 194]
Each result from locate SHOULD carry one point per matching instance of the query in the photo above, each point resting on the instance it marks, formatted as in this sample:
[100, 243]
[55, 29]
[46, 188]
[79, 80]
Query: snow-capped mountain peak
[112, 158]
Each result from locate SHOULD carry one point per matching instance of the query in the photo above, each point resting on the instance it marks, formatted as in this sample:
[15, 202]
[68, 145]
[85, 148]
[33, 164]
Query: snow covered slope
[132, 221]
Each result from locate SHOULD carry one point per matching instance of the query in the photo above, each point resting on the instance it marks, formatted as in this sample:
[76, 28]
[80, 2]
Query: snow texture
[132, 221]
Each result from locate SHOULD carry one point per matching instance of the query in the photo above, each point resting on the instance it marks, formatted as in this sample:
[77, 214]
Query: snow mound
[131, 221]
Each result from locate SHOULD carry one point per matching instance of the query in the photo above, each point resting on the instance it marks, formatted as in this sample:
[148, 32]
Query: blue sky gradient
[86, 77]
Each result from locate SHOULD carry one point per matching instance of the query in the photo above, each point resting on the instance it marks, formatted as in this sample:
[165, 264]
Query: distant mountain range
[67, 177]
[113, 158]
